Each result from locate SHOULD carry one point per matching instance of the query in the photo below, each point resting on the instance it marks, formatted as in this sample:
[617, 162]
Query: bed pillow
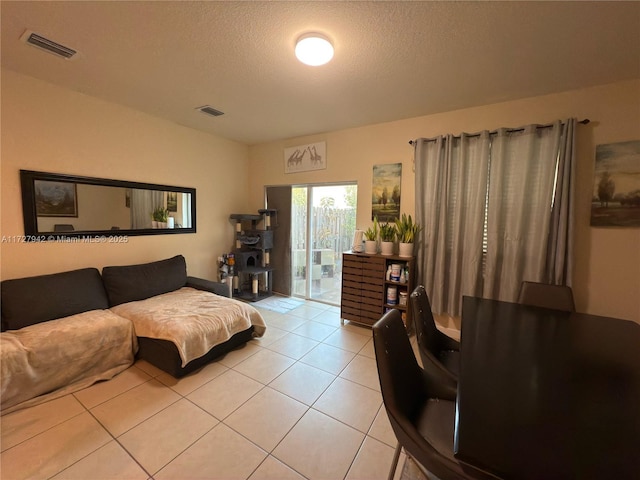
[138, 282]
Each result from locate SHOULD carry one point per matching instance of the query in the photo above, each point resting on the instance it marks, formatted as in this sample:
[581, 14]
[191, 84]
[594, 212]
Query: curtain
[521, 185]
[497, 209]
[559, 269]
[451, 187]
[143, 203]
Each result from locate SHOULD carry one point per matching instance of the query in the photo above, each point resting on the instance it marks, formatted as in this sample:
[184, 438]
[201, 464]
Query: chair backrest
[557, 297]
[401, 379]
[63, 227]
[426, 330]
[431, 344]
[407, 395]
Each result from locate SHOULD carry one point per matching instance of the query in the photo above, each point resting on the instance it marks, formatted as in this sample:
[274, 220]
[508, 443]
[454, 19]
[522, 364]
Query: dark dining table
[545, 394]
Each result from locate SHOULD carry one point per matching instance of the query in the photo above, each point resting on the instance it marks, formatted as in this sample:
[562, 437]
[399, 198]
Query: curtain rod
[510, 130]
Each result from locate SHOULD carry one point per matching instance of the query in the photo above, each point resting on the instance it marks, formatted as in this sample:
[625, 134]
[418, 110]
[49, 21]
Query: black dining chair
[421, 413]
[440, 354]
[557, 297]
[63, 227]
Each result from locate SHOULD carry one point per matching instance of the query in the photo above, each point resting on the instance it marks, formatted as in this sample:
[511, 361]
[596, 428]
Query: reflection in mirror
[71, 206]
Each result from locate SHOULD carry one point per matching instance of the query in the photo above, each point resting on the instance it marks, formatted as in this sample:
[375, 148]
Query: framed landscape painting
[616, 189]
[55, 199]
[385, 192]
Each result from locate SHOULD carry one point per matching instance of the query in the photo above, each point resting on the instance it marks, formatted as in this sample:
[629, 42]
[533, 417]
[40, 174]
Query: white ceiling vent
[209, 110]
[31, 38]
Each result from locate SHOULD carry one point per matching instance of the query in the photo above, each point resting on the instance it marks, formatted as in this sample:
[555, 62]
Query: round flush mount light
[314, 49]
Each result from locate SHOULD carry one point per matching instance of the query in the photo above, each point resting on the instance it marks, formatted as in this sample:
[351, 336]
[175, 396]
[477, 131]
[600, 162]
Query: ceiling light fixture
[314, 49]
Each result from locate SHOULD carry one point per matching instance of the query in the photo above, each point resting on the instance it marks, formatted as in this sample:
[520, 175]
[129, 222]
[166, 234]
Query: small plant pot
[405, 249]
[370, 246]
[386, 248]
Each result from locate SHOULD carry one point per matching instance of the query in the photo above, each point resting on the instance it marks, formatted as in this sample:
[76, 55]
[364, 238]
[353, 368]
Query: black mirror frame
[27, 184]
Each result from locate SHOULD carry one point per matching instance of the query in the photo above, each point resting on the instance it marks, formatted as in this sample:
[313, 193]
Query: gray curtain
[497, 209]
[143, 203]
[559, 268]
[451, 187]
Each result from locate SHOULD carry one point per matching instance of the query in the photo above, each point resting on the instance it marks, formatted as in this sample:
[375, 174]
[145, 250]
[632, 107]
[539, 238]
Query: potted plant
[160, 216]
[371, 238]
[407, 231]
[387, 238]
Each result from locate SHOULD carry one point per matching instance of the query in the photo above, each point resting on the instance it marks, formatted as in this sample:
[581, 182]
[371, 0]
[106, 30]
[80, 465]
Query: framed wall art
[305, 157]
[616, 189]
[172, 201]
[385, 192]
[56, 199]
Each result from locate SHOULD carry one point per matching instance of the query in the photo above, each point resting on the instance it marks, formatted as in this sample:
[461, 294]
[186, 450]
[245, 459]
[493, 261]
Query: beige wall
[50, 129]
[607, 271]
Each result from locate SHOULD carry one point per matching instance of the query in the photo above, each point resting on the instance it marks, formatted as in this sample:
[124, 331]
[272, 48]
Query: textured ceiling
[392, 60]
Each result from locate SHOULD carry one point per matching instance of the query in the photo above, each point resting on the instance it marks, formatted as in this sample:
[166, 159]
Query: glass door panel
[323, 226]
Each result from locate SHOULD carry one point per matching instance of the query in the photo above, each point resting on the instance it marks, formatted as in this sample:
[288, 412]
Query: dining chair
[440, 354]
[63, 227]
[420, 412]
[557, 297]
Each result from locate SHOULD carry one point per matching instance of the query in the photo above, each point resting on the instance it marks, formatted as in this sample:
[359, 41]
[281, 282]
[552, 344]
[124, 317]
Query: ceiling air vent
[209, 110]
[48, 45]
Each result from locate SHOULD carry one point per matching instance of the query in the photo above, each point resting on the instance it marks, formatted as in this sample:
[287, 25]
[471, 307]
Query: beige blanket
[50, 359]
[194, 320]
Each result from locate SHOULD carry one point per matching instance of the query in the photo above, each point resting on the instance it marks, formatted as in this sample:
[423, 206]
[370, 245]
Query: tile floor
[301, 402]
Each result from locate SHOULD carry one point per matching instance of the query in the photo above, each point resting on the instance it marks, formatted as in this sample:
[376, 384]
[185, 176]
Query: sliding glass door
[323, 220]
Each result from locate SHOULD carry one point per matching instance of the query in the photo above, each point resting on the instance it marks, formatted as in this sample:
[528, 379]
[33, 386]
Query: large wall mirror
[57, 205]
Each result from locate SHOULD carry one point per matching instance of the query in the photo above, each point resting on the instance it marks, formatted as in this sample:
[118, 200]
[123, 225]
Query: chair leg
[394, 464]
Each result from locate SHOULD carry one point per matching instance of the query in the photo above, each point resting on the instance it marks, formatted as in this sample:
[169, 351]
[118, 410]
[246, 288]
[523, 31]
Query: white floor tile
[103, 391]
[21, 425]
[187, 384]
[240, 354]
[293, 346]
[303, 382]
[372, 462]
[266, 418]
[264, 366]
[328, 358]
[225, 393]
[358, 328]
[55, 449]
[161, 438]
[288, 322]
[271, 335]
[350, 403]
[347, 340]
[127, 410]
[330, 317]
[308, 311]
[274, 469]
[315, 330]
[319, 447]
[221, 453]
[110, 462]
[368, 350]
[382, 430]
[147, 368]
[362, 370]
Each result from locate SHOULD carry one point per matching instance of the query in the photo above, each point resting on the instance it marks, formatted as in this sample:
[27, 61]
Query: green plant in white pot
[407, 231]
[371, 238]
[387, 238]
[160, 216]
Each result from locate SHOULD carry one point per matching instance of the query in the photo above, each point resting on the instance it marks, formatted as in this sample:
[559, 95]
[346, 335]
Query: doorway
[323, 220]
